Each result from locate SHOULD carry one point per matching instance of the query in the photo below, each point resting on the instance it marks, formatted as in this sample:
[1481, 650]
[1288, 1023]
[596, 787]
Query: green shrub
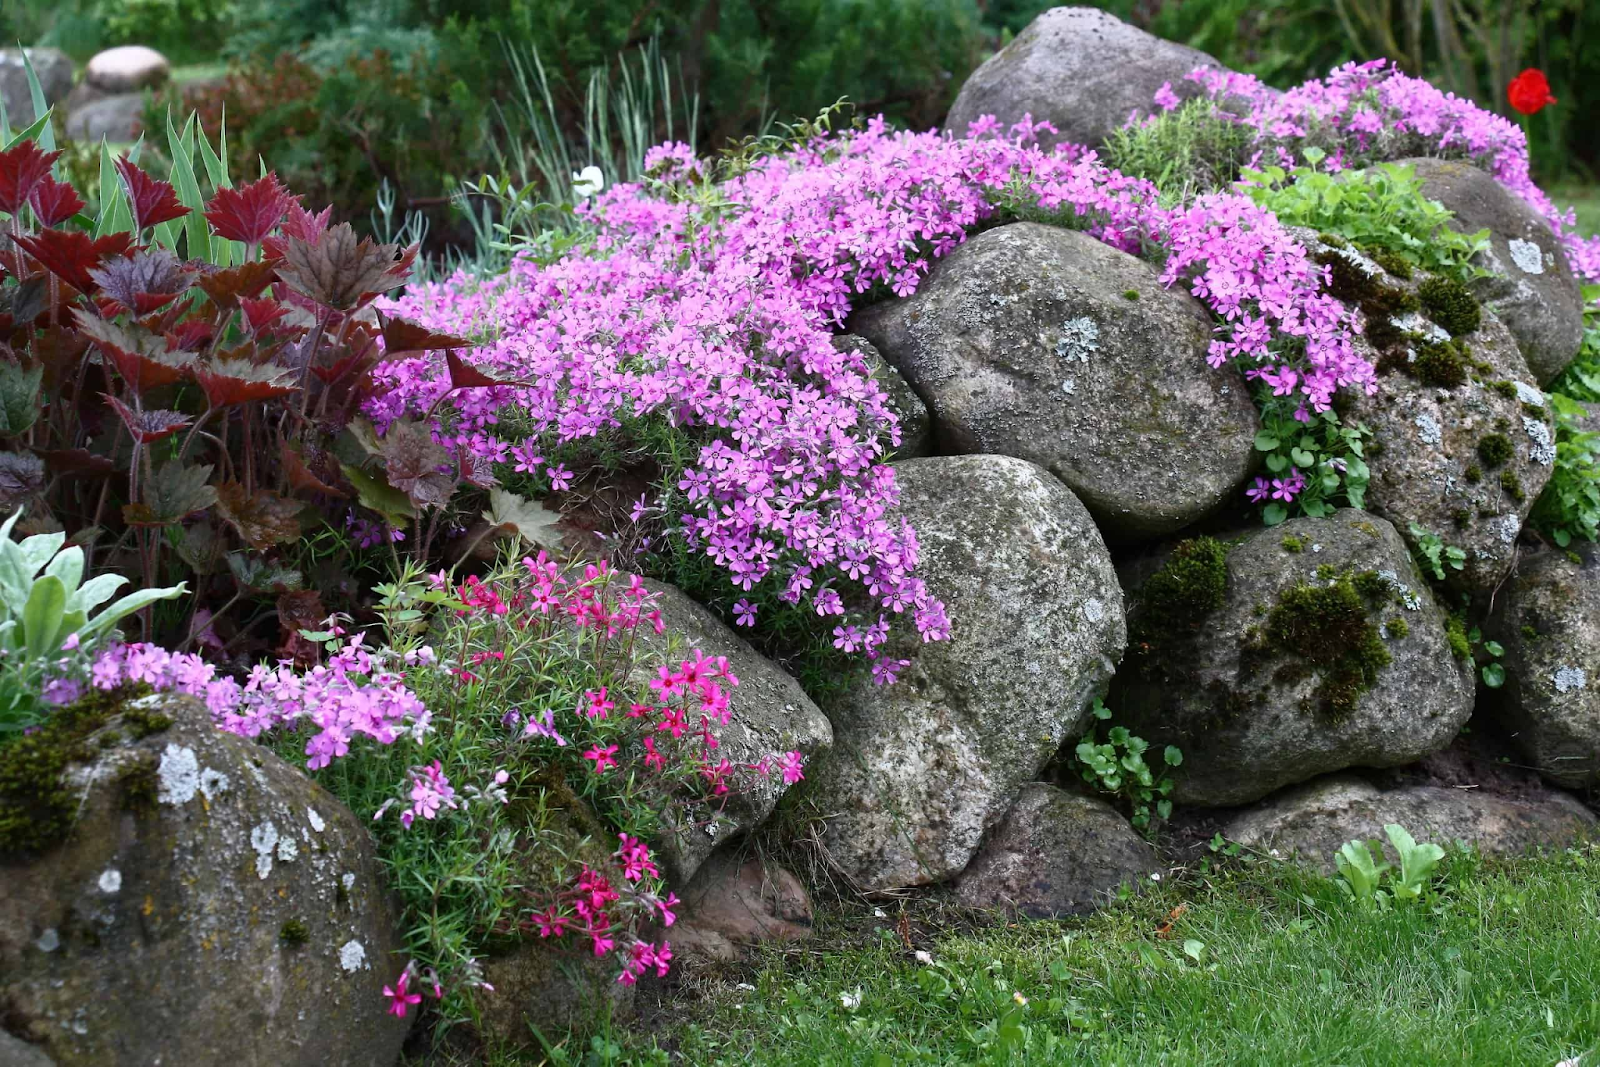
[1569, 506]
[1194, 148]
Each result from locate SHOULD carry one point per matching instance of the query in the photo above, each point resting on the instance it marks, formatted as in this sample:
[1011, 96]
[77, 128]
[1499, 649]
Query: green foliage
[1569, 506]
[45, 606]
[1380, 208]
[1117, 766]
[1329, 454]
[1433, 554]
[1375, 884]
[1190, 585]
[1192, 149]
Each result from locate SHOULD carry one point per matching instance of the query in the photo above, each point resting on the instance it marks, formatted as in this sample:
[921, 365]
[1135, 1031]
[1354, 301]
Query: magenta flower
[400, 998]
[744, 613]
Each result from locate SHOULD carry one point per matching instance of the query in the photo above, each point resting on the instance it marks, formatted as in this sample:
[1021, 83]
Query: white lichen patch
[1407, 597]
[1428, 429]
[1568, 678]
[49, 941]
[1093, 610]
[348, 880]
[1506, 528]
[1366, 266]
[315, 820]
[1069, 386]
[1412, 322]
[110, 881]
[178, 776]
[264, 839]
[213, 783]
[353, 957]
[287, 849]
[1543, 451]
[1528, 394]
[1080, 339]
[1527, 256]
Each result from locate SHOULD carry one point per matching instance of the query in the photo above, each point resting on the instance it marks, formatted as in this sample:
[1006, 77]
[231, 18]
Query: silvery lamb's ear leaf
[68, 566]
[95, 591]
[40, 549]
[129, 604]
[41, 616]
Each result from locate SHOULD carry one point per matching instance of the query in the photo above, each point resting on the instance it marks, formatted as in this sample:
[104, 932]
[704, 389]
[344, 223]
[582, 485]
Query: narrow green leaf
[32, 132]
[47, 136]
[115, 214]
[183, 179]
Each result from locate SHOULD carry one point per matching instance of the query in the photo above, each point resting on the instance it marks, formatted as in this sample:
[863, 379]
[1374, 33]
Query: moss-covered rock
[1530, 284]
[1300, 670]
[154, 931]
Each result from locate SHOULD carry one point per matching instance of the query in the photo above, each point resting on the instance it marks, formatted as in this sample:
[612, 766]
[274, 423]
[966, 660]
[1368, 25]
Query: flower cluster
[1364, 112]
[712, 311]
[610, 912]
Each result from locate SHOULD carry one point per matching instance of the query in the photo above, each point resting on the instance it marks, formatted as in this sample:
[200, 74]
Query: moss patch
[36, 807]
[1175, 600]
[1447, 302]
[1291, 543]
[1329, 630]
[1495, 449]
[1455, 632]
[1396, 628]
[1438, 363]
[1512, 486]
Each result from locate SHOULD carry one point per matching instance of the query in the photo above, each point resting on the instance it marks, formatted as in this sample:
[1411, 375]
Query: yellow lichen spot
[149, 905]
[205, 943]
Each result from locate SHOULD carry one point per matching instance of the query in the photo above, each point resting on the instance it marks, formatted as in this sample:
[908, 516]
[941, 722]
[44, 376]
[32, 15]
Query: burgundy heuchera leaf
[148, 426]
[250, 212]
[70, 255]
[54, 202]
[152, 202]
[21, 169]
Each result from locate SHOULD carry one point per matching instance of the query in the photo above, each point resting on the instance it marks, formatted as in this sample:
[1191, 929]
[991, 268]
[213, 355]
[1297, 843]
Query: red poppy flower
[1529, 91]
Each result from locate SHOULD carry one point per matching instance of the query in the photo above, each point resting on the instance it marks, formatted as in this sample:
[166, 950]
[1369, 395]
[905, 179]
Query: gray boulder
[1309, 823]
[770, 714]
[1046, 344]
[127, 69]
[923, 767]
[118, 119]
[1082, 69]
[1531, 286]
[54, 70]
[1055, 854]
[205, 885]
[1284, 653]
[1464, 462]
[1548, 620]
[916, 427]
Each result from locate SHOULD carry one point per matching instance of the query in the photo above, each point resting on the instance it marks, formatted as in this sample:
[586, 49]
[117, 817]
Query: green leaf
[19, 397]
[1494, 648]
[95, 591]
[1265, 442]
[531, 519]
[120, 609]
[1173, 756]
[41, 617]
[376, 494]
[1494, 675]
[41, 110]
[1273, 514]
[183, 179]
[115, 214]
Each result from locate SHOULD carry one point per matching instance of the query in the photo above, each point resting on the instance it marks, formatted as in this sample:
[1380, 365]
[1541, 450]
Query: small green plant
[1374, 883]
[45, 614]
[1118, 766]
[1194, 148]
[1378, 210]
[1569, 506]
[1327, 454]
[1433, 554]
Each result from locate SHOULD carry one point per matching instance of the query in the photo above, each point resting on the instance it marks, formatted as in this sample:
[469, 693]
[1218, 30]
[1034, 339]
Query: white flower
[1154, 877]
[923, 957]
[587, 182]
[851, 1001]
[1021, 1000]
[879, 913]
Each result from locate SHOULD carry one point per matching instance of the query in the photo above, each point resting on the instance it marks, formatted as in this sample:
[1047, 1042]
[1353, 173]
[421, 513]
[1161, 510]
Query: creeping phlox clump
[709, 308]
[533, 686]
[1365, 112]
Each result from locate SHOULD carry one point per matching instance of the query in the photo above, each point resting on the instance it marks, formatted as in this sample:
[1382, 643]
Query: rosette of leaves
[181, 378]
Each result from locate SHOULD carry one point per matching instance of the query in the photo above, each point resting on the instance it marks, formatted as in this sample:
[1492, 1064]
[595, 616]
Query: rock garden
[793, 592]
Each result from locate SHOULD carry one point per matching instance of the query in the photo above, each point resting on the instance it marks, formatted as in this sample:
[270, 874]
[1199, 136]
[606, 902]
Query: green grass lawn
[1500, 964]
